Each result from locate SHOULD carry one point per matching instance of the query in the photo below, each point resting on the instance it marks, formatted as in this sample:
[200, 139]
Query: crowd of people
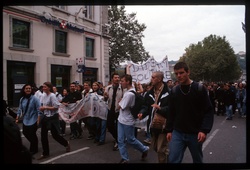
[180, 114]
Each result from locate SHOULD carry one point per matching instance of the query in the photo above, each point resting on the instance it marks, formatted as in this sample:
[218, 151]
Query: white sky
[172, 28]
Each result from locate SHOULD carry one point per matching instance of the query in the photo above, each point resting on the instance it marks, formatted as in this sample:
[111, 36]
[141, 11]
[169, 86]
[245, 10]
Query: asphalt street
[225, 144]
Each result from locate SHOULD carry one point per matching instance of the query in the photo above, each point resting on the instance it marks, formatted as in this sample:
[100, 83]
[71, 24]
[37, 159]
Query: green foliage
[126, 37]
[213, 59]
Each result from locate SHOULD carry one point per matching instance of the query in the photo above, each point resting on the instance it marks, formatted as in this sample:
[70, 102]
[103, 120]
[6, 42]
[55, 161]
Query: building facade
[60, 44]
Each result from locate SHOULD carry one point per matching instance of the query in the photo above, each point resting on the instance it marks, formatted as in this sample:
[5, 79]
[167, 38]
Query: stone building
[60, 44]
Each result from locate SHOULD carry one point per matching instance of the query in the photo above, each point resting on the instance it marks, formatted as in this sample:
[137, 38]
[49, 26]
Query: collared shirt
[31, 115]
[50, 100]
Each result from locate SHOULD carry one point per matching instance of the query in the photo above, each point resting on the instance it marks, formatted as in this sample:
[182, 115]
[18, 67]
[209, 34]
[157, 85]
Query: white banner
[142, 72]
[90, 106]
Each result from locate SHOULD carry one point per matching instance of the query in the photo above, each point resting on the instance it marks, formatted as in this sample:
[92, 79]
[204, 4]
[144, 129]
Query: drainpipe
[101, 55]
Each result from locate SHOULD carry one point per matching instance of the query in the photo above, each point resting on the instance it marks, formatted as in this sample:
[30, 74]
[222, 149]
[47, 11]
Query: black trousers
[30, 133]
[75, 129]
[62, 126]
[54, 127]
[112, 123]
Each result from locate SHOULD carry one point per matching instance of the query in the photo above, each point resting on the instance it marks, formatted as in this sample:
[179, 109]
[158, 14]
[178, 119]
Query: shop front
[18, 74]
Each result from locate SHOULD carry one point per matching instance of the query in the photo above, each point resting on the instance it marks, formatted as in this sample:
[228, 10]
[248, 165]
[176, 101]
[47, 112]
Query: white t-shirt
[125, 116]
[58, 96]
[39, 95]
[50, 100]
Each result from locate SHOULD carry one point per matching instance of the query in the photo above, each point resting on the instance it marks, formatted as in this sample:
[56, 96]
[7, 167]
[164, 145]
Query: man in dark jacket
[190, 117]
[156, 106]
[219, 93]
[73, 97]
[229, 100]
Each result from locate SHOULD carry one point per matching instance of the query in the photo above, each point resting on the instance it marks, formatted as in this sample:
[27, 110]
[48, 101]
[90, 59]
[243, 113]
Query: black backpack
[139, 101]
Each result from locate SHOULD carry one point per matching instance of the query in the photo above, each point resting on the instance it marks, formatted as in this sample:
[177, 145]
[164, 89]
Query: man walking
[126, 123]
[156, 106]
[113, 94]
[190, 117]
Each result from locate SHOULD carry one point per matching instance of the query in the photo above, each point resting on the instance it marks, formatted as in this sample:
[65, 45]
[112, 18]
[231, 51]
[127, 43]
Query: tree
[213, 59]
[126, 37]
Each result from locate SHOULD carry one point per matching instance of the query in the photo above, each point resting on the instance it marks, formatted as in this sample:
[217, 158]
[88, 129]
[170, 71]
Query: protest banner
[90, 106]
[142, 72]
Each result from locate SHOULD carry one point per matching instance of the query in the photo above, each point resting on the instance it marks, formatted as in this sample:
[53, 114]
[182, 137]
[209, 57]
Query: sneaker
[43, 157]
[68, 147]
[145, 154]
[115, 147]
[147, 141]
[123, 161]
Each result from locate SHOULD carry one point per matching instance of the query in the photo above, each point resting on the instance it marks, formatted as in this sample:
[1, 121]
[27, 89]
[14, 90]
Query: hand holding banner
[91, 106]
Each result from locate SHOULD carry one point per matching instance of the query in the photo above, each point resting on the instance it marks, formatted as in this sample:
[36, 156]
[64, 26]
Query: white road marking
[63, 155]
[223, 121]
[209, 139]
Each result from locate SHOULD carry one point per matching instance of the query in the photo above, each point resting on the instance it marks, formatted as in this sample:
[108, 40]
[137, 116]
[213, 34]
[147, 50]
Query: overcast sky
[172, 28]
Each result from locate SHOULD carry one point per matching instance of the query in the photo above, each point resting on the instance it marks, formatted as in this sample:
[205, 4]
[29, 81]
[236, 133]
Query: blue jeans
[229, 111]
[103, 130]
[241, 106]
[244, 109]
[148, 134]
[126, 132]
[178, 144]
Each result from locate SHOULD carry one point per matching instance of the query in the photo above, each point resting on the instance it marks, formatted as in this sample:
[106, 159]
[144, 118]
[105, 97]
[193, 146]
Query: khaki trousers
[160, 146]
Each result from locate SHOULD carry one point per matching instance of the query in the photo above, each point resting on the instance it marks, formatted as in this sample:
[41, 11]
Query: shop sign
[62, 24]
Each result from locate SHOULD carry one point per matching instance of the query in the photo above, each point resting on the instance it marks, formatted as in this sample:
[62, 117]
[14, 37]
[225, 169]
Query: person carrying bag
[28, 112]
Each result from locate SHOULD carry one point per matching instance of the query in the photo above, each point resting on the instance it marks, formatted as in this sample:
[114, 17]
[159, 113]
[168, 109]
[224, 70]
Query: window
[90, 47]
[20, 33]
[61, 42]
[89, 12]
[60, 76]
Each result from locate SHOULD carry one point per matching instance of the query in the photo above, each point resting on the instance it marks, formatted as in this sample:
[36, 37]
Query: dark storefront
[60, 76]
[18, 74]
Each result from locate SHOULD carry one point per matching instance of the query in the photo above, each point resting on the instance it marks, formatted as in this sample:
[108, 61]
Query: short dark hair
[115, 73]
[127, 77]
[169, 80]
[180, 65]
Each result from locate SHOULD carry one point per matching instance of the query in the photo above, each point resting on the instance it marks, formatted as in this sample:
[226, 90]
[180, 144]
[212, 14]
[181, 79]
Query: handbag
[158, 122]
